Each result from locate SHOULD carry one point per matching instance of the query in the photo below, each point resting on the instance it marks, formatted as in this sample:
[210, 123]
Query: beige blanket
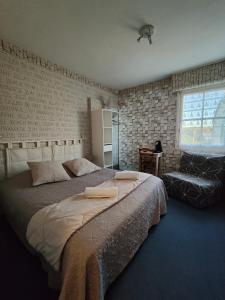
[51, 227]
[97, 253]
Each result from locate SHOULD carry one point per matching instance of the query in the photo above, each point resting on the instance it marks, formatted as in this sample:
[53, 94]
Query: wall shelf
[107, 147]
[105, 137]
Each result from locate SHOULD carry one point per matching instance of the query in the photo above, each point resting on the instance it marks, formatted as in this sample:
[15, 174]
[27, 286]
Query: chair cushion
[192, 179]
[199, 192]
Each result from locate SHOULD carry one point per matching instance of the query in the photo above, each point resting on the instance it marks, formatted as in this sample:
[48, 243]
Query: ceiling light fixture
[146, 32]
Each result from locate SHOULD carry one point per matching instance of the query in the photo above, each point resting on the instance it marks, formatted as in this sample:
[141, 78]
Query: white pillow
[81, 166]
[47, 171]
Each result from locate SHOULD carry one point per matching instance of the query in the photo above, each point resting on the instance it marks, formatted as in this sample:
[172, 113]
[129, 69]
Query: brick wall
[149, 112]
[40, 100]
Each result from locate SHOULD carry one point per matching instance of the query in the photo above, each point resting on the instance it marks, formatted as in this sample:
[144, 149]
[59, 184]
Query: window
[202, 125]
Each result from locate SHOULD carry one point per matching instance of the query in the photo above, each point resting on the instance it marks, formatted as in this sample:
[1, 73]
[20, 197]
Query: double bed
[99, 251]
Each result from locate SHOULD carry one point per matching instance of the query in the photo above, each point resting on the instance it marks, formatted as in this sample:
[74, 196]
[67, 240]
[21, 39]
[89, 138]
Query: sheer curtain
[202, 121]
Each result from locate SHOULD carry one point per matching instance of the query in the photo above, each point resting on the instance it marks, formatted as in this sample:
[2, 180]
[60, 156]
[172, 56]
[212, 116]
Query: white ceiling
[98, 38]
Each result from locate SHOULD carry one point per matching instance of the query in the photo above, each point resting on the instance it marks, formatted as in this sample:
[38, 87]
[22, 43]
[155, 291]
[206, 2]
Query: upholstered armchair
[200, 180]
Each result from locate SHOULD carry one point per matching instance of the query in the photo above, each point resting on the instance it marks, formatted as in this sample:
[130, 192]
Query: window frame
[195, 148]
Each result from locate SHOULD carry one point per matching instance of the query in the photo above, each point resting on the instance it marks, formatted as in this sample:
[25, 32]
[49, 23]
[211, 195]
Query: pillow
[47, 171]
[81, 166]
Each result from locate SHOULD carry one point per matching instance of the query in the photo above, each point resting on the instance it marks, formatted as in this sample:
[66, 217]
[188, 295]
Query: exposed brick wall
[42, 101]
[149, 112]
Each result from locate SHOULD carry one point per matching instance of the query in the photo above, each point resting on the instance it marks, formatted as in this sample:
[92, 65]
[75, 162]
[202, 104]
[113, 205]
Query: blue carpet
[183, 258]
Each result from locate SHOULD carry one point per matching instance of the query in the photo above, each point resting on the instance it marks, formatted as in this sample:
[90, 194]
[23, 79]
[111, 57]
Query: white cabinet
[105, 134]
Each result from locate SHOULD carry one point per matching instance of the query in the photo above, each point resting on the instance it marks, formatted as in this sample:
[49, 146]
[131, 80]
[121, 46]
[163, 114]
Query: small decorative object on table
[158, 147]
[149, 159]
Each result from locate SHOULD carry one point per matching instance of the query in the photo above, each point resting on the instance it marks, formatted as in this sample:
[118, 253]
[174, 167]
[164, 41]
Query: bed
[98, 252]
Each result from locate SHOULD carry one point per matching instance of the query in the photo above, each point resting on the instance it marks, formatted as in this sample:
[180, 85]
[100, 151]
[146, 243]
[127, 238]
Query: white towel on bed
[131, 175]
[100, 192]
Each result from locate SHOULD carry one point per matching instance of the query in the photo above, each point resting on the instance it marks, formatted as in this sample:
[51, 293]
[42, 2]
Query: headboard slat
[18, 153]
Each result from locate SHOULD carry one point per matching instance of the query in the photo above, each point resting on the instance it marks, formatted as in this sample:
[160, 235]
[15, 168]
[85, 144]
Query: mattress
[95, 255]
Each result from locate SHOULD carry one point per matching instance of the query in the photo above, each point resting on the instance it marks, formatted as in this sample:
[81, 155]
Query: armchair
[200, 180]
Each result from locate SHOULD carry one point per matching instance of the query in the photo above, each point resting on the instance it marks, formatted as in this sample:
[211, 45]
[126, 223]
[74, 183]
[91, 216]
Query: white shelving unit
[105, 137]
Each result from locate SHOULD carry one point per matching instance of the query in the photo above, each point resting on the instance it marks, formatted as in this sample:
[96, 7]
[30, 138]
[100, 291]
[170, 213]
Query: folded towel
[98, 192]
[127, 175]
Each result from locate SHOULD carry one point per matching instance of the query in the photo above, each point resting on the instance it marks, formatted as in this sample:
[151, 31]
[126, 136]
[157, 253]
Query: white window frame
[195, 148]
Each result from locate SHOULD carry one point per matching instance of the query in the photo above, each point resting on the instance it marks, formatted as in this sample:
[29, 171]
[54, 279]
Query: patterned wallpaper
[205, 75]
[149, 112]
[42, 101]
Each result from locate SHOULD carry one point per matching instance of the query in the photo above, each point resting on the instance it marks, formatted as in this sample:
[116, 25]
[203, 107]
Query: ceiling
[98, 38]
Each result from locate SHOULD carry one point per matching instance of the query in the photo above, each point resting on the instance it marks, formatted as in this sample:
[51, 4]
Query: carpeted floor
[183, 258]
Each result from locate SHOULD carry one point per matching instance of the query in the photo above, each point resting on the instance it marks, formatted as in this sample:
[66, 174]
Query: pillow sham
[81, 166]
[47, 171]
